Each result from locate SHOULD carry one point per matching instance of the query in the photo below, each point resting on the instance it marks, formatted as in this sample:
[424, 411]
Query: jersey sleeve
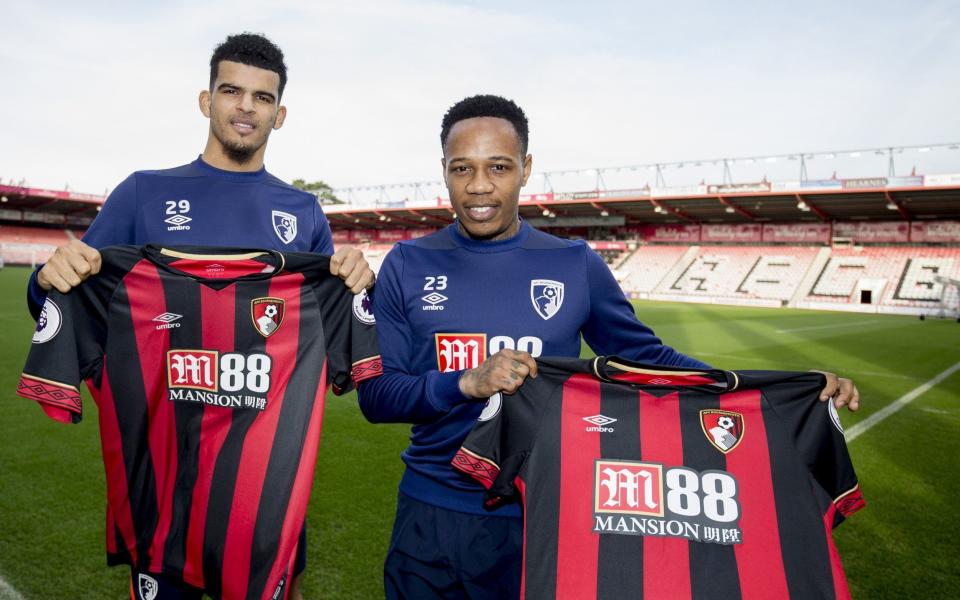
[818, 437]
[612, 327]
[402, 396]
[67, 348]
[352, 351]
[497, 448]
[115, 224]
[322, 236]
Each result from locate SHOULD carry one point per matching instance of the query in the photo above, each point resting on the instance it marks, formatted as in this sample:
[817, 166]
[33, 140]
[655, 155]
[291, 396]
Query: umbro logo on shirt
[167, 319]
[435, 300]
[600, 423]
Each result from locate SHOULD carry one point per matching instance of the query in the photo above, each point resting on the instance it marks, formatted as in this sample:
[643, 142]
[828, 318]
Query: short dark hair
[487, 105]
[250, 49]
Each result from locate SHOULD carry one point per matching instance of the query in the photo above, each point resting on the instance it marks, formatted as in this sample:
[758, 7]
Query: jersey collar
[621, 370]
[486, 246]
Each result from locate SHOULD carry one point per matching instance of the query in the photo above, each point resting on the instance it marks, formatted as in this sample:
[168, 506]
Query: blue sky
[97, 90]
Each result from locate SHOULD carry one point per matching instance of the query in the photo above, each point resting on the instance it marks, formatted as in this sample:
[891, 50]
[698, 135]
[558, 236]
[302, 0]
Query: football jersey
[652, 482]
[445, 302]
[209, 368]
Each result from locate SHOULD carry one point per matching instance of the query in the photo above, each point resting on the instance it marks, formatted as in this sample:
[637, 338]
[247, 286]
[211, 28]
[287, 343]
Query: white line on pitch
[833, 326]
[897, 404]
[8, 592]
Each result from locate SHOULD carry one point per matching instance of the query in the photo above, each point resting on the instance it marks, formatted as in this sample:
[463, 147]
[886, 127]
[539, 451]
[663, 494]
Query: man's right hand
[69, 266]
[502, 372]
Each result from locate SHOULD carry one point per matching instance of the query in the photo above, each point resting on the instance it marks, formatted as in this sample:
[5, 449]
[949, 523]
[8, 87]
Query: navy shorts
[440, 553]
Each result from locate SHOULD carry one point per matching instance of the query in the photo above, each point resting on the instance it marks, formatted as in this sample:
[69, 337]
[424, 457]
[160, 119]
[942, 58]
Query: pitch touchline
[8, 592]
[864, 425]
[854, 324]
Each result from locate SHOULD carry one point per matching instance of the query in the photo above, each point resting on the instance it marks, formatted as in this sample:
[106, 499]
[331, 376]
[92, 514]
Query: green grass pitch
[901, 546]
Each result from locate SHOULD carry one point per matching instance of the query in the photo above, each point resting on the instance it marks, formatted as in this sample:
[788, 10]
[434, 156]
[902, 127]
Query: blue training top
[444, 302]
[201, 205]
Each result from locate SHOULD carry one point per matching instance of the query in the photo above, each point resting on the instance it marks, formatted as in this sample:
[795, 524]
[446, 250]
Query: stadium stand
[21, 245]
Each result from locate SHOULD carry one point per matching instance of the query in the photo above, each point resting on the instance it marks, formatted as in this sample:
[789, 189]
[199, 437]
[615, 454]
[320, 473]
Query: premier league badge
[723, 428]
[267, 314]
[284, 225]
[547, 296]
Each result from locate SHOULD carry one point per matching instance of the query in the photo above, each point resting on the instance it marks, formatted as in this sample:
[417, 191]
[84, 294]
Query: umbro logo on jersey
[178, 220]
[600, 423]
[435, 301]
[167, 319]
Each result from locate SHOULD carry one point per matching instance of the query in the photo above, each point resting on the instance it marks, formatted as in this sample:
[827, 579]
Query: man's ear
[204, 101]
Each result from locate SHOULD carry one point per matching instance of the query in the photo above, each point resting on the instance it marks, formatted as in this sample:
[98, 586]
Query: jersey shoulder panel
[283, 186]
[187, 170]
[540, 240]
[439, 240]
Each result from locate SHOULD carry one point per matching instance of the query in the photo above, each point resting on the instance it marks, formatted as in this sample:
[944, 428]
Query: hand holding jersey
[504, 371]
[74, 262]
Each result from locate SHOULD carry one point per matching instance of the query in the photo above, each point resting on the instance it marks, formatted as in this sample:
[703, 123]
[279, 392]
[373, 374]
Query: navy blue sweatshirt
[444, 302]
[198, 204]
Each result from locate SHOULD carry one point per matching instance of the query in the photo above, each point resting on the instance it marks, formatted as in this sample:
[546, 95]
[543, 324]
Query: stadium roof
[723, 205]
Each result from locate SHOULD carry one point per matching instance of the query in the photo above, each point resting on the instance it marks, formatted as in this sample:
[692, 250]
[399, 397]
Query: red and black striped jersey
[209, 367]
[652, 482]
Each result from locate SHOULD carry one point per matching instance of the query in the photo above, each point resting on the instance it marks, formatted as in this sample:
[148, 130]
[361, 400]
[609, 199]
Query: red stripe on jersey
[759, 558]
[255, 455]
[147, 300]
[577, 546]
[666, 560]
[118, 492]
[217, 312]
[836, 566]
[664, 378]
[214, 268]
[300, 493]
[522, 488]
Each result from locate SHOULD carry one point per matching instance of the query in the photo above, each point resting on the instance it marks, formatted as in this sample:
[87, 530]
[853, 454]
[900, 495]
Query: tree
[319, 187]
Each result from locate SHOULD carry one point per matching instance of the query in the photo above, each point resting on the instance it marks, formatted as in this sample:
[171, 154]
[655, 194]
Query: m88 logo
[208, 370]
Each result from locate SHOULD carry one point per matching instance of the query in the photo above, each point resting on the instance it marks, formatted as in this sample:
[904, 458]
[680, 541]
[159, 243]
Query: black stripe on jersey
[183, 298]
[620, 557]
[292, 425]
[131, 405]
[228, 461]
[713, 567]
[542, 522]
[809, 573]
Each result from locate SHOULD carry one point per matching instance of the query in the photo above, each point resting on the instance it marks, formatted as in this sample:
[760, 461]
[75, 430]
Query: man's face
[484, 171]
[243, 107]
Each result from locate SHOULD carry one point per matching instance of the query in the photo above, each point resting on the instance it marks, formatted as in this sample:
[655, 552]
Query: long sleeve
[400, 395]
[613, 327]
[115, 224]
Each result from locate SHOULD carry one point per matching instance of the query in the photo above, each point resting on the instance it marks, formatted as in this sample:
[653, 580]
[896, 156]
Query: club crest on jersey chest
[546, 296]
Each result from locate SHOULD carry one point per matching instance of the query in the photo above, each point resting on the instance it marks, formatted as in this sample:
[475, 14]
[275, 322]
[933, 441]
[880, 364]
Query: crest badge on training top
[267, 314]
[723, 428]
[284, 225]
[547, 297]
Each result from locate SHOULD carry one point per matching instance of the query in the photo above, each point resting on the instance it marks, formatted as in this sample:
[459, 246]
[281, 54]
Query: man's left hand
[841, 390]
[348, 264]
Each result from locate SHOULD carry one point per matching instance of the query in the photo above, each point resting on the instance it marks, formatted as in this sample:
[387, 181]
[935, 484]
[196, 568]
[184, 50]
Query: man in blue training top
[223, 198]
[461, 314]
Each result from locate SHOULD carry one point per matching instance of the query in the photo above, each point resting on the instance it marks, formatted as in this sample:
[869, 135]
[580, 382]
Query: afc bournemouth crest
[267, 314]
[148, 587]
[723, 428]
[284, 225]
[547, 296]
